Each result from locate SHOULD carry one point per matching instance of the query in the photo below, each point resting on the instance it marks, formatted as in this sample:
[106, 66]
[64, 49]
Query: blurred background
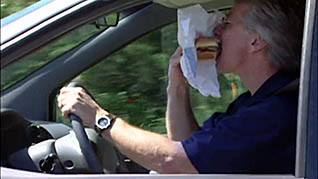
[132, 82]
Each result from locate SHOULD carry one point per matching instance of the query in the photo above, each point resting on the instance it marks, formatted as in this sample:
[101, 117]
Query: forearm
[180, 121]
[151, 150]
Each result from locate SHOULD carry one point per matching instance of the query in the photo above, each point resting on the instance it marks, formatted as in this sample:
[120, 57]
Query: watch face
[103, 122]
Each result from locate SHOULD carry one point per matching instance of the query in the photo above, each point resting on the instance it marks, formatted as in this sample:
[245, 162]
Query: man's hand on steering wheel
[75, 100]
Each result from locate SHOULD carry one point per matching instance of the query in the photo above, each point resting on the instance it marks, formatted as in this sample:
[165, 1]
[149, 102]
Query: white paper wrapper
[194, 22]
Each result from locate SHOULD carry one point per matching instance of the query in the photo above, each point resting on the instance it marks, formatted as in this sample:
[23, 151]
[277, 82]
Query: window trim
[302, 118]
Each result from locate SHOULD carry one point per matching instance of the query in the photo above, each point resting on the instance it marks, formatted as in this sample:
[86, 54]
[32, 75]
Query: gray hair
[280, 23]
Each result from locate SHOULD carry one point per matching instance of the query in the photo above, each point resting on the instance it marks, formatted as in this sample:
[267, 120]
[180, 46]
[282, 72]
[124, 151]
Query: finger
[80, 93]
[63, 98]
[64, 90]
[177, 53]
[69, 89]
[65, 110]
[69, 107]
[176, 57]
[60, 101]
[59, 104]
[68, 97]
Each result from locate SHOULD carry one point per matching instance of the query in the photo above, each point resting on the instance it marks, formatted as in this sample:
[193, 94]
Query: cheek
[233, 52]
[235, 42]
[231, 49]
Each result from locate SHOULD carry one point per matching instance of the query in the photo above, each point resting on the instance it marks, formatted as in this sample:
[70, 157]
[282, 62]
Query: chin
[222, 69]
[219, 69]
[221, 66]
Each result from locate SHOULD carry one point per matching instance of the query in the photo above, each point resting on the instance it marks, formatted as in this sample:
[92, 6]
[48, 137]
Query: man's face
[234, 41]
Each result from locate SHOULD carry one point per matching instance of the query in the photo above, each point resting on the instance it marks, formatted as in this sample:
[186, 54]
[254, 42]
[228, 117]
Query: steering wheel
[84, 143]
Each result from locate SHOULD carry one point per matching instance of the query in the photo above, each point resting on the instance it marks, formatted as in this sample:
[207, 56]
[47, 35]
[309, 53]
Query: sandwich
[207, 48]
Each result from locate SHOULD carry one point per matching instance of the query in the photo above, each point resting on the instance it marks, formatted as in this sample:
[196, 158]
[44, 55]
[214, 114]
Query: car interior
[36, 137]
[51, 147]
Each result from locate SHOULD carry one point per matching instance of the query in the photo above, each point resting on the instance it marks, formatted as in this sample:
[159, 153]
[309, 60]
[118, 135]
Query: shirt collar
[270, 86]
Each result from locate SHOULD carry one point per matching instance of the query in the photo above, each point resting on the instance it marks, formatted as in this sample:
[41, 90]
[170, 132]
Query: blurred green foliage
[18, 71]
[11, 6]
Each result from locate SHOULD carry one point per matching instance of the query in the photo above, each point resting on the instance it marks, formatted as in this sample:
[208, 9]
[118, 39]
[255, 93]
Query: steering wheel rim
[84, 143]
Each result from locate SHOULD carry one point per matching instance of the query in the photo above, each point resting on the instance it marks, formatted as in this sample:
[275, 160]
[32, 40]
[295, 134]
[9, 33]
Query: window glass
[17, 71]
[132, 82]
[9, 7]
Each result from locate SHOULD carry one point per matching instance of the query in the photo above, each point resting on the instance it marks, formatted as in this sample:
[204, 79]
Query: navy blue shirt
[257, 134]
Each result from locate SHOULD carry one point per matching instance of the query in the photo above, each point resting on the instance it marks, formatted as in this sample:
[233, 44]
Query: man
[261, 42]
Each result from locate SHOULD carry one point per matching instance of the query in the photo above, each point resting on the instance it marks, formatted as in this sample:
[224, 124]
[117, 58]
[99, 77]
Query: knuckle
[81, 90]
[72, 106]
[77, 98]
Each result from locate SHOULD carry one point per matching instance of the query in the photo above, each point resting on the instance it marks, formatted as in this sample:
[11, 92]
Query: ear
[257, 43]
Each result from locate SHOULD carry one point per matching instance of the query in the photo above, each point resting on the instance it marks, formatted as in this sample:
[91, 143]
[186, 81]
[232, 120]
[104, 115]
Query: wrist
[103, 121]
[177, 88]
[100, 112]
[176, 78]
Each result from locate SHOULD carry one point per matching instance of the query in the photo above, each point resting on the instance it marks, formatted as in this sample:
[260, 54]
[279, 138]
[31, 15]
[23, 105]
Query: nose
[218, 29]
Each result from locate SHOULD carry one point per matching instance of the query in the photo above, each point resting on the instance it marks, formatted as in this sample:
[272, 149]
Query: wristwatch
[104, 122]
